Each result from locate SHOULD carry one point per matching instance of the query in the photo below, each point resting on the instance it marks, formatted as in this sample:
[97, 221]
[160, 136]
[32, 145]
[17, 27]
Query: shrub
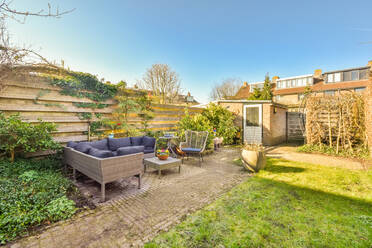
[214, 116]
[197, 122]
[31, 193]
[223, 120]
[16, 135]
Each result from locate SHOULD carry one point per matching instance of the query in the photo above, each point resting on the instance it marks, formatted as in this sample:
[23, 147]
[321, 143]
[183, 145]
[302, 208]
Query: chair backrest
[196, 139]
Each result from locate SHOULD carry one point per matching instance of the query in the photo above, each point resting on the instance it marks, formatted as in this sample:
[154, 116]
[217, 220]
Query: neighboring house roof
[319, 83]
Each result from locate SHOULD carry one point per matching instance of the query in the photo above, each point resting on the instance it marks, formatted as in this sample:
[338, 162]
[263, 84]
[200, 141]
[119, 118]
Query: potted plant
[253, 157]
[162, 154]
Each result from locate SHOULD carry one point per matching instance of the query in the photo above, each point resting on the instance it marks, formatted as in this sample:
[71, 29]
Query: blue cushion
[100, 144]
[130, 150]
[100, 153]
[71, 144]
[191, 150]
[148, 150]
[83, 147]
[114, 144]
[149, 141]
[136, 141]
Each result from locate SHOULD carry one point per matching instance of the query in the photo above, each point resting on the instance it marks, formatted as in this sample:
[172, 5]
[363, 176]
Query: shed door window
[252, 117]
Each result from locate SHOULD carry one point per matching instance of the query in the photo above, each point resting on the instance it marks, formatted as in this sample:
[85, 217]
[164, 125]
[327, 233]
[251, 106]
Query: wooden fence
[34, 98]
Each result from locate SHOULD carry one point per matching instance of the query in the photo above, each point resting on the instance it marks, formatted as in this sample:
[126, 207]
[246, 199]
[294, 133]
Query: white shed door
[253, 124]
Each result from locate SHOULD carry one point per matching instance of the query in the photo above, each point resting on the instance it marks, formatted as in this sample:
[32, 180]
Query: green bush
[197, 122]
[16, 135]
[32, 192]
[214, 116]
[223, 120]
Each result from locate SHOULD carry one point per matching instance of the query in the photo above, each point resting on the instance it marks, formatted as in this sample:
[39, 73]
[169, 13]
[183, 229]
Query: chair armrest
[183, 145]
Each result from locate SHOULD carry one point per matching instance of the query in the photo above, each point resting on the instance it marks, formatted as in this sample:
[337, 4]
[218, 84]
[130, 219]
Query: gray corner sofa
[110, 159]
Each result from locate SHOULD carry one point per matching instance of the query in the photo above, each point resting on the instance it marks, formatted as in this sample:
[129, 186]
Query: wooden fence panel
[34, 98]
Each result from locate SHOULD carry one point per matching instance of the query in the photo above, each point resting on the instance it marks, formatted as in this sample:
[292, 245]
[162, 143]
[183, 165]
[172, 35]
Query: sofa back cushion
[114, 144]
[71, 144]
[100, 144]
[83, 147]
[148, 142]
[136, 141]
[100, 153]
[129, 150]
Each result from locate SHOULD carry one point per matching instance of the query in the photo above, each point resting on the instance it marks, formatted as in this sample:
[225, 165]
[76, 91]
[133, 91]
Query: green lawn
[289, 204]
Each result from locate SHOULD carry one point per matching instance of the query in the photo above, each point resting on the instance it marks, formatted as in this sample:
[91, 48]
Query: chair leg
[103, 196]
[139, 181]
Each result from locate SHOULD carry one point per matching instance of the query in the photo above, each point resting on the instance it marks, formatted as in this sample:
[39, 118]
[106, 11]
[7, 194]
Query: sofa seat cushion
[129, 150]
[137, 141]
[100, 144]
[191, 150]
[148, 150]
[149, 141]
[83, 147]
[100, 153]
[115, 144]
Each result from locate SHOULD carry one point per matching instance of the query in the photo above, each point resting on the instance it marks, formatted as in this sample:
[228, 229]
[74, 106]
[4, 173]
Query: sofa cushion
[191, 149]
[129, 150]
[83, 147]
[148, 150]
[71, 144]
[149, 141]
[114, 144]
[100, 153]
[136, 141]
[100, 144]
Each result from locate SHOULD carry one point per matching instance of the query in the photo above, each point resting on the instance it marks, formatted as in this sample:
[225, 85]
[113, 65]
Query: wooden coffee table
[162, 164]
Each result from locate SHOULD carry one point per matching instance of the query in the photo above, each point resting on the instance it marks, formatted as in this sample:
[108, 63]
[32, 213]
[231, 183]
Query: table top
[155, 160]
[168, 137]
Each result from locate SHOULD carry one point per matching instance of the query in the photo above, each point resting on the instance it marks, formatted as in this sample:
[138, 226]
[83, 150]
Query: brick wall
[274, 124]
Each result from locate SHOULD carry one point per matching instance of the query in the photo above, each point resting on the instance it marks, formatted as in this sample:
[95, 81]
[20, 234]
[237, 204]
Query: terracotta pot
[163, 156]
[253, 160]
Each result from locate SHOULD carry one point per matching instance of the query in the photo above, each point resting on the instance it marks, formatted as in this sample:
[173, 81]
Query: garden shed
[260, 121]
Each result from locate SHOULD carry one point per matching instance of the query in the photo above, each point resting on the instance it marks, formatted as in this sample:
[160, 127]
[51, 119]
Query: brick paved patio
[136, 216]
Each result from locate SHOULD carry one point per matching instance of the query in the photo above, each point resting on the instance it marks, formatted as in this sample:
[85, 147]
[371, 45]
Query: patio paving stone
[135, 216]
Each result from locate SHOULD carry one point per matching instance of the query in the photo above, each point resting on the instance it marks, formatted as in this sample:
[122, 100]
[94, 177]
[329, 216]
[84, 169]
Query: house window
[337, 77]
[354, 75]
[330, 78]
[329, 92]
[347, 76]
[359, 90]
[252, 117]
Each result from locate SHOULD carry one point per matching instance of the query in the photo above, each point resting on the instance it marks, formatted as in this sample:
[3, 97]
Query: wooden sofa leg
[139, 181]
[74, 174]
[103, 192]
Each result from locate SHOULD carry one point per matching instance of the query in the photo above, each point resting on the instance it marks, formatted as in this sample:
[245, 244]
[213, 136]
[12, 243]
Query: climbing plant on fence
[337, 122]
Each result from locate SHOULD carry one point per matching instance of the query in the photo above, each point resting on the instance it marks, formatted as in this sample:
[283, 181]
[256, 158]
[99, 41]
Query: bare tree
[162, 81]
[15, 60]
[226, 89]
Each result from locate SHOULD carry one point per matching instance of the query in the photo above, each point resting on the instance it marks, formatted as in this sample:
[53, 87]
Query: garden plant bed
[288, 204]
[33, 194]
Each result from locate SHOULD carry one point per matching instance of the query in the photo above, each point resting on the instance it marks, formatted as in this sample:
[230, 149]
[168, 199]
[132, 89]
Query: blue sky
[204, 41]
